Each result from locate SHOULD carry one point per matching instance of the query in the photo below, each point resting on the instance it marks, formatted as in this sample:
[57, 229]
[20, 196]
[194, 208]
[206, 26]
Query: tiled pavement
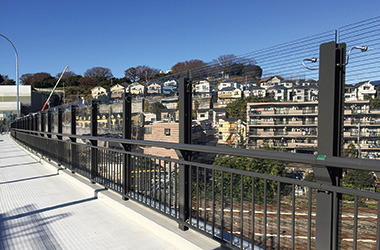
[40, 209]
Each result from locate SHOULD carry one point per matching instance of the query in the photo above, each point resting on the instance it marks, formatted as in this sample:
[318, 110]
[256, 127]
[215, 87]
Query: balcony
[309, 111]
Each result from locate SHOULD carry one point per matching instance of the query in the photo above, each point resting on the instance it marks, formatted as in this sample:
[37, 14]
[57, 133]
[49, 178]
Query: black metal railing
[238, 206]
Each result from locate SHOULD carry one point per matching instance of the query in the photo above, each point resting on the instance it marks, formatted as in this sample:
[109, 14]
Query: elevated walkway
[43, 207]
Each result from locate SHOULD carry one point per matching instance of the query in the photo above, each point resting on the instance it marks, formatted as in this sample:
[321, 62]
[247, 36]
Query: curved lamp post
[17, 83]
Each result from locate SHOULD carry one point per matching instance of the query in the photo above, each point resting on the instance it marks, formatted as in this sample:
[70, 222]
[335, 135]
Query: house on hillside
[279, 92]
[376, 84]
[98, 91]
[268, 82]
[153, 89]
[118, 90]
[228, 95]
[365, 89]
[228, 84]
[254, 91]
[137, 89]
[202, 89]
[299, 93]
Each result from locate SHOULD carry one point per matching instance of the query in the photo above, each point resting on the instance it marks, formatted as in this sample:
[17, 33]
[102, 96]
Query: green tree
[350, 151]
[4, 80]
[358, 179]
[310, 177]
[375, 103]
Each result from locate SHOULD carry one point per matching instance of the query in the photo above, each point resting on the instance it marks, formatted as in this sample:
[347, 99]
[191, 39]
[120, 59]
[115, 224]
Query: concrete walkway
[42, 208]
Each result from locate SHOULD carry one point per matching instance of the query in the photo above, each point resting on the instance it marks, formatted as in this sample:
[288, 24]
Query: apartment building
[294, 126]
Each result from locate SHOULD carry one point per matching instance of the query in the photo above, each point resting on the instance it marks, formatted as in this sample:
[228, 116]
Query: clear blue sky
[121, 34]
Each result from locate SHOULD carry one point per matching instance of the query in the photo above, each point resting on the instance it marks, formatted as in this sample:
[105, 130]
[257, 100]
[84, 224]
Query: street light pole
[17, 81]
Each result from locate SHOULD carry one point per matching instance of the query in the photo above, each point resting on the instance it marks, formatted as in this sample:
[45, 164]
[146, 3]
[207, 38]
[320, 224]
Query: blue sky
[120, 34]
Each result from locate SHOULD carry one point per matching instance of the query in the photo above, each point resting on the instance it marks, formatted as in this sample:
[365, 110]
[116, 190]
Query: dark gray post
[49, 122]
[74, 160]
[330, 136]
[185, 119]
[59, 137]
[94, 132]
[42, 122]
[127, 132]
[30, 122]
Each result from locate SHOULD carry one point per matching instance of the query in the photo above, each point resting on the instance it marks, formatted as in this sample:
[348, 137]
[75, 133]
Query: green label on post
[321, 157]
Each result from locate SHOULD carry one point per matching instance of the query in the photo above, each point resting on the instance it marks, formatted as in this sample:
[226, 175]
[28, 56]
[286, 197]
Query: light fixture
[312, 60]
[362, 48]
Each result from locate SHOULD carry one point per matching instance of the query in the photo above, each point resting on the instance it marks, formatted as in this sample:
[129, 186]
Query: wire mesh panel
[362, 122]
[362, 66]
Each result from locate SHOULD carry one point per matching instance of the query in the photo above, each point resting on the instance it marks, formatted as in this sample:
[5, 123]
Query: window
[147, 130]
[167, 131]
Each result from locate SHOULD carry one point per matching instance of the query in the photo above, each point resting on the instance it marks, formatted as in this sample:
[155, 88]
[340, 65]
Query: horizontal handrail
[331, 161]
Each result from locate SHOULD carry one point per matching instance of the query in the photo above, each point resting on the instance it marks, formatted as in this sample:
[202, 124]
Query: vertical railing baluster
[197, 196]
[170, 188]
[231, 208]
[146, 180]
[176, 167]
[253, 213]
[241, 211]
[265, 215]
[213, 203]
[155, 183]
[205, 198]
[355, 232]
[222, 207]
[160, 187]
[278, 214]
[378, 226]
[165, 189]
[309, 216]
[293, 214]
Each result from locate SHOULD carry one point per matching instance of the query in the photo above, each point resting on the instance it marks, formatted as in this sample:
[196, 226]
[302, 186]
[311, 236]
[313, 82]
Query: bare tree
[141, 73]
[146, 73]
[99, 72]
[131, 74]
[187, 65]
[88, 82]
[66, 75]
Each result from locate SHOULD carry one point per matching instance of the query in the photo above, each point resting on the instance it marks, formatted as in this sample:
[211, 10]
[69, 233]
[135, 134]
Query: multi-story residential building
[228, 95]
[350, 93]
[293, 126]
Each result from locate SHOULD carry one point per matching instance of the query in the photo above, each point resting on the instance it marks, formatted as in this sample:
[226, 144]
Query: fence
[227, 193]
